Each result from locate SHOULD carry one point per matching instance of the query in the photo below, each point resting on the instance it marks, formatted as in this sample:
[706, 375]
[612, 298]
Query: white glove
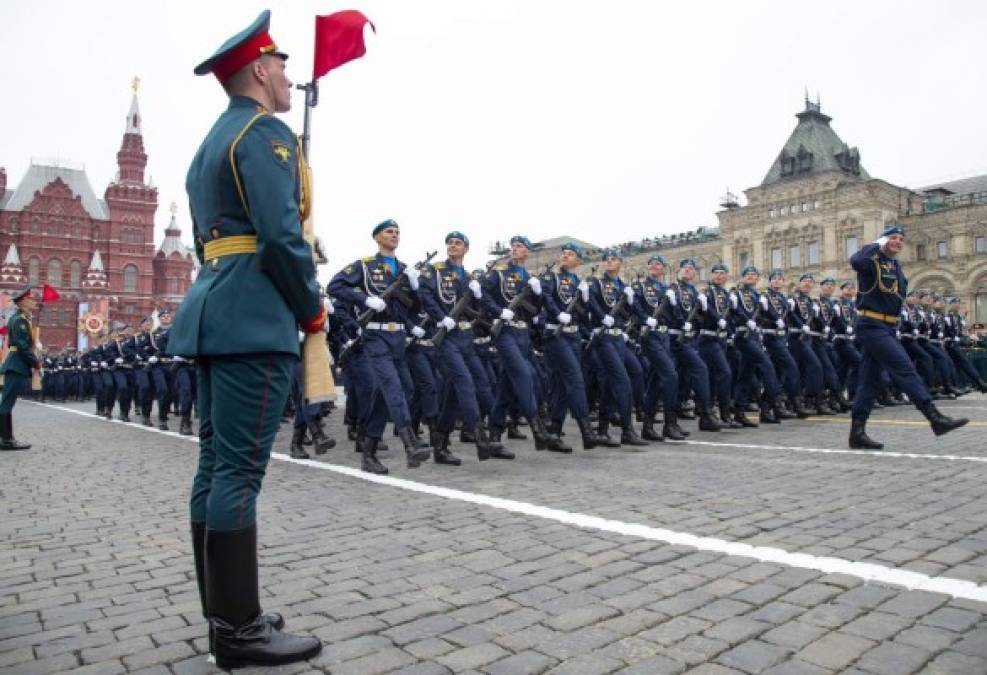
[751, 325]
[734, 300]
[412, 273]
[584, 290]
[687, 327]
[118, 360]
[153, 359]
[629, 292]
[474, 286]
[565, 318]
[956, 339]
[625, 336]
[816, 309]
[536, 319]
[898, 334]
[914, 331]
[608, 321]
[780, 323]
[652, 322]
[506, 315]
[327, 305]
[375, 303]
[827, 330]
[849, 330]
[301, 336]
[535, 284]
[703, 301]
[670, 294]
[881, 241]
[722, 324]
[448, 322]
[791, 304]
[104, 364]
[418, 332]
[838, 309]
[805, 329]
[764, 303]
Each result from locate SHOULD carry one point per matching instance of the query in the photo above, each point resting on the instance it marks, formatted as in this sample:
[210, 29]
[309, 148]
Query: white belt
[391, 327]
[674, 331]
[842, 336]
[612, 331]
[565, 329]
[517, 324]
[464, 325]
[815, 333]
[657, 329]
[481, 341]
[710, 333]
[909, 336]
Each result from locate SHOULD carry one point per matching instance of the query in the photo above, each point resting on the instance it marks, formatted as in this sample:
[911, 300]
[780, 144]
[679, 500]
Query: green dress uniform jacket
[245, 180]
[21, 358]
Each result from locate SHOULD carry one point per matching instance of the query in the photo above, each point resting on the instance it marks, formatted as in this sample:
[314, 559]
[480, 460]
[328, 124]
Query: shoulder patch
[282, 153]
[368, 258]
[500, 267]
[439, 265]
[348, 269]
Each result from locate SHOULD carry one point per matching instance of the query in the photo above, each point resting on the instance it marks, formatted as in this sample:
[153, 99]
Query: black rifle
[520, 300]
[393, 291]
[618, 308]
[575, 307]
[457, 311]
[689, 318]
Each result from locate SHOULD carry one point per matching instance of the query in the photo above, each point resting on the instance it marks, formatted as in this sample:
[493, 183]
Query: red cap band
[260, 44]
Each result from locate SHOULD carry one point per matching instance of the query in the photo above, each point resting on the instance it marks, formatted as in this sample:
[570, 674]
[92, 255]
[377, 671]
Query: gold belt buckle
[391, 326]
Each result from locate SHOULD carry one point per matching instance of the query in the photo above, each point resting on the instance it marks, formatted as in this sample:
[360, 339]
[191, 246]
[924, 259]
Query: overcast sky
[606, 121]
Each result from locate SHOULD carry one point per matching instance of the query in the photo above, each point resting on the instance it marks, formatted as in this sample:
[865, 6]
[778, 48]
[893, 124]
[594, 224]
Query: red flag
[49, 294]
[338, 39]
[3, 330]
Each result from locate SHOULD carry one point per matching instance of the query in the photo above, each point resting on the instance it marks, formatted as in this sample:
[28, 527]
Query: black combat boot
[162, 419]
[941, 424]
[545, 440]
[488, 434]
[859, 440]
[603, 436]
[801, 411]
[839, 403]
[484, 447]
[706, 421]
[781, 411]
[146, 418]
[322, 443]
[628, 436]
[185, 427]
[586, 431]
[467, 436]
[670, 429]
[440, 450]
[822, 407]
[727, 420]
[686, 413]
[648, 432]
[242, 634]
[741, 418]
[513, 434]
[297, 449]
[124, 416]
[414, 454]
[369, 462]
[7, 440]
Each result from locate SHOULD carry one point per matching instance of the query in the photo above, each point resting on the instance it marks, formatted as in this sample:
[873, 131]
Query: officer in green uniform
[17, 367]
[257, 274]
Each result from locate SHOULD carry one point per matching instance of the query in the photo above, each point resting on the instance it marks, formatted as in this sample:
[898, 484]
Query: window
[813, 253]
[55, 272]
[981, 244]
[980, 304]
[771, 213]
[744, 256]
[805, 206]
[852, 246]
[794, 257]
[34, 271]
[130, 278]
[815, 205]
[781, 211]
[75, 273]
[941, 249]
[95, 231]
[775, 258]
[793, 209]
[130, 309]
[173, 286]
[920, 251]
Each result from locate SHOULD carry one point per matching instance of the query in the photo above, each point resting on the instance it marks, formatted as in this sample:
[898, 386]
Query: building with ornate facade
[97, 253]
[817, 205]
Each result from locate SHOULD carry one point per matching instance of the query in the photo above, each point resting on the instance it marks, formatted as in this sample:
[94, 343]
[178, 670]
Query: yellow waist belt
[886, 318]
[224, 246]
[12, 348]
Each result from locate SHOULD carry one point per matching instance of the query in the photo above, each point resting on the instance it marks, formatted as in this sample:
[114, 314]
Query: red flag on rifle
[49, 294]
[338, 39]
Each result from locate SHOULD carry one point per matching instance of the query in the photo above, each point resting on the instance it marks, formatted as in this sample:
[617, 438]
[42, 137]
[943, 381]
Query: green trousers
[241, 399]
[13, 384]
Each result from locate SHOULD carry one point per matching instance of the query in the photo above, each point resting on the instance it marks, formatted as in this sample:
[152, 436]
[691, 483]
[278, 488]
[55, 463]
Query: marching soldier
[800, 334]
[848, 357]
[956, 338]
[257, 274]
[17, 367]
[777, 317]
[157, 357]
[713, 333]
[883, 286]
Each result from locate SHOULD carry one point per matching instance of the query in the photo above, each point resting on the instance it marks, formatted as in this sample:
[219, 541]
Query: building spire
[134, 116]
[12, 257]
[96, 265]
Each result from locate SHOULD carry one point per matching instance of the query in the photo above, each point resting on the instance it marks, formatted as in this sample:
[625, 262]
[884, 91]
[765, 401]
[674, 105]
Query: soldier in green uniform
[17, 367]
[257, 274]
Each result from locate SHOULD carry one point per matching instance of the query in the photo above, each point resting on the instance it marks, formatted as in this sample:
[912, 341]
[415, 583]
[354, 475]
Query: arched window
[130, 278]
[75, 274]
[34, 270]
[55, 272]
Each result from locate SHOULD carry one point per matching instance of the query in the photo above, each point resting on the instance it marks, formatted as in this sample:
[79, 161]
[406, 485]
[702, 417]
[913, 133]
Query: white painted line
[878, 454]
[958, 588]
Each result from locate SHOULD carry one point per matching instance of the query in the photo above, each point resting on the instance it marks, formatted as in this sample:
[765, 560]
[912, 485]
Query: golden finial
[135, 84]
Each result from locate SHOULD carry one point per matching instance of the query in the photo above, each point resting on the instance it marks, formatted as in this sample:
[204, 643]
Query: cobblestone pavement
[96, 570]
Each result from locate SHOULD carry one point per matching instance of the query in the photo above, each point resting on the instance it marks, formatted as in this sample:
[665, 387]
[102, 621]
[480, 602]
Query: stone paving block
[831, 615]
[109, 668]
[347, 650]
[656, 665]
[953, 619]
[721, 609]
[893, 659]
[675, 629]
[630, 650]
[526, 638]
[582, 641]
[713, 669]
[914, 604]
[973, 643]
[811, 594]
[794, 635]
[474, 656]
[468, 636]
[955, 663]
[413, 631]
[577, 618]
[175, 651]
[588, 664]
[753, 656]
[372, 664]
[796, 667]
[877, 626]
[116, 650]
[682, 603]
[736, 630]
[696, 649]
[524, 663]
[777, 612]
[429, 648]
[835, 650]
[54, 664]
[929, 638]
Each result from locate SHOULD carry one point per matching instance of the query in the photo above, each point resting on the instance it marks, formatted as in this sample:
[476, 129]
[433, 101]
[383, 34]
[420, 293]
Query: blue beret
[847, 284]
[520, 239]
[688, 261]
[922, 293]
[383, 226]
[807, 275]
[21, 294]
[828, 280]
[912, 294]
[951, 299]
[776, 272]
[574, 247]
[748, 269]
[249, 44]
[163, 313]
[719, 267]
[611, 253]
[658, 259]
[456, 234]
[936, 297]
[892, 228]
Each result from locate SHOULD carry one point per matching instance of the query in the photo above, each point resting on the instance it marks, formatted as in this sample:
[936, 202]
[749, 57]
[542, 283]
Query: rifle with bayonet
[575, 307]
[520, 301]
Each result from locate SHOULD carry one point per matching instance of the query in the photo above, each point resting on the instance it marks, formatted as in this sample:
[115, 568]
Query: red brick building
[98, 253]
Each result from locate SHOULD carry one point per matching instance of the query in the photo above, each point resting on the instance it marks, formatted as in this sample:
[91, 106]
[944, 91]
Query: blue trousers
[466, 389]
[693, 369]
[662, 380]
[962, 363]
[610, 349]
[881, 348]
[755, 364]
[829, 377]
[564, 355]
[185, 381]
[712, 351]
[425, 389]
[808, 364]
[240, 403]
[123, 379]
[516, 379]
[945, 371]
[922, 359]
[384, 352]
[848, 364]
